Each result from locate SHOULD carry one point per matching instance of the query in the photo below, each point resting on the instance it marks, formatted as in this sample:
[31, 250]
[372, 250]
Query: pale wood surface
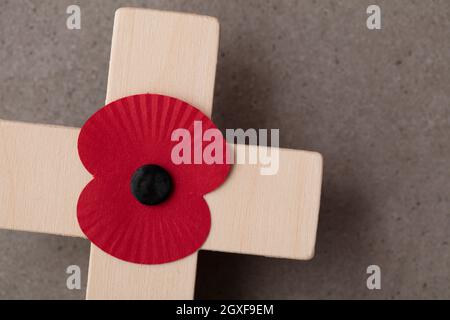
[164, 52]
[173, 54]
[110, 278]
[41, 178]
[269, 215]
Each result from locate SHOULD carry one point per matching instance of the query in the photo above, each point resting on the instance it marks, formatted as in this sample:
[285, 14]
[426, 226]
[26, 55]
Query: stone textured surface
[374, 103]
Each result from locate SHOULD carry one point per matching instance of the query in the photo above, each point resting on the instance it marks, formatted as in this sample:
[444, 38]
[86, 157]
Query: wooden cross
[173, 54]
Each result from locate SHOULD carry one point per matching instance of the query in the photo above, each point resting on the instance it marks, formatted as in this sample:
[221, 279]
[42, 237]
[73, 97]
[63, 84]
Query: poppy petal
[121, 226]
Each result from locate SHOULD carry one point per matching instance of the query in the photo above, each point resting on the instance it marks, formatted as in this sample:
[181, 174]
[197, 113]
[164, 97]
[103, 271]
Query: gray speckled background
[374, 103]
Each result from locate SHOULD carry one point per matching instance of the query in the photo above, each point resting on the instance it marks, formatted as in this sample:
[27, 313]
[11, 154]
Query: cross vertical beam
[172, 54]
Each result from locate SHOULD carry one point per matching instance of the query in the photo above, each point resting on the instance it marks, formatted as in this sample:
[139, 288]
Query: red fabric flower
[121, 143]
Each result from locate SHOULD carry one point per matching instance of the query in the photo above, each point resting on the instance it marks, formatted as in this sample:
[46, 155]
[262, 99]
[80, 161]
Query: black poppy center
[151, 184]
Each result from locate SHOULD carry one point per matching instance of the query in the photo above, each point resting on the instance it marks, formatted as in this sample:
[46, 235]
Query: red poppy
[141, 206]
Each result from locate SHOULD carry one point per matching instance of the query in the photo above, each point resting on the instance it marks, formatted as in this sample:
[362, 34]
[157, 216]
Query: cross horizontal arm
[41, 178]
[270, 215]
[273, 215]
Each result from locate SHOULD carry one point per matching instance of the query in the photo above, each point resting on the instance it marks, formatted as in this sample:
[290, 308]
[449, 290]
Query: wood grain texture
[168, 53]
[270, 215]
[41, 178]
[112, 279]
